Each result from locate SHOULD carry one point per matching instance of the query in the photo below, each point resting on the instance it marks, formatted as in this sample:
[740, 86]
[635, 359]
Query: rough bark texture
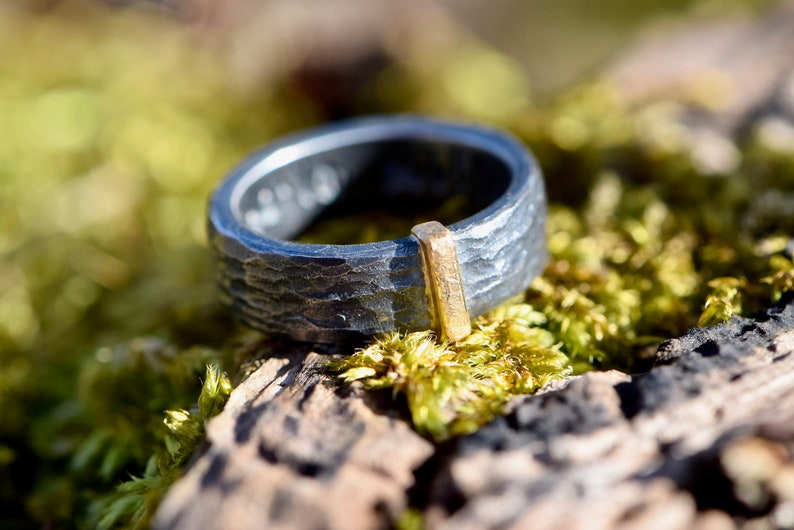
[657, 450]
[703, 440]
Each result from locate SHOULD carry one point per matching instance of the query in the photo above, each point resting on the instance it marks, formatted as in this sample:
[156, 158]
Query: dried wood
[294, 449]
[703, 440]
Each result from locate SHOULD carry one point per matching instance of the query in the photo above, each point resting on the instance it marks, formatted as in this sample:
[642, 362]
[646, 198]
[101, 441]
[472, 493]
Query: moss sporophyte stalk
[109, 321]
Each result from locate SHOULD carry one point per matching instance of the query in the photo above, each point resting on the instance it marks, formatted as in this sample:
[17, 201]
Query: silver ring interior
[340, 293]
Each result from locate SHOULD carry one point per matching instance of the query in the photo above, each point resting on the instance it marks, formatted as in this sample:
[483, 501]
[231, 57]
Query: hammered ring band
[437, 277]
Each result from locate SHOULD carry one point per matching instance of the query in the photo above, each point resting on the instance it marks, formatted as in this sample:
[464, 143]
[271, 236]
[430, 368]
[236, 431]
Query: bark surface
[702, 440]
[294, 449]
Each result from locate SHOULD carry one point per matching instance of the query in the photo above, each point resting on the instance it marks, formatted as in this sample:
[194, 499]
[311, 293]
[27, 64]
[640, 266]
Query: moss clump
[724, 301]
[644, 244]
[781, 279]
[116, 427]
[452, 389]
[133, 503]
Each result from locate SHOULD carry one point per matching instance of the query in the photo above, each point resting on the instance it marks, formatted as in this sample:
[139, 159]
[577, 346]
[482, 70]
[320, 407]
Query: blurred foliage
[135, 501]
[113, 138]
[119, 122]
[410, 519]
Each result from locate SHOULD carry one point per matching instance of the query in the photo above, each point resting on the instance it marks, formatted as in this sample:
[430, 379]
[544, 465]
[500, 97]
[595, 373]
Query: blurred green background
[118, 120]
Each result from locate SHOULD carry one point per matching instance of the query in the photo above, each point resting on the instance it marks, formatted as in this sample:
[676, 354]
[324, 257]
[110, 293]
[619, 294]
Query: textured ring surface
[346, 293]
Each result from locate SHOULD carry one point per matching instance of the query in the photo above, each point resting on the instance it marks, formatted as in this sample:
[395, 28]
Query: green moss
[134, 502]
[643, 246]
[410, 519]
[781, 280]
[452, 389]
[724, 301]
[108, 316]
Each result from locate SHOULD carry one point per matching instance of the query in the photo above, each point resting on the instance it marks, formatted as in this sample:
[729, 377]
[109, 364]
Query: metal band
[346, 293]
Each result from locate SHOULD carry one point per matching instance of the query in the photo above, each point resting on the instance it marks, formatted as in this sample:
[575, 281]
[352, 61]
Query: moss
[108, 316]
[134, 502]
[724, 301]
[454, 388]
[410, 519]
[644, 244]
[116, 141]
[781, 279]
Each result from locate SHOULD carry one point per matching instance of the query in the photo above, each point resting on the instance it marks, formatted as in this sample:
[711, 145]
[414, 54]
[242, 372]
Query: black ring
[346, 293]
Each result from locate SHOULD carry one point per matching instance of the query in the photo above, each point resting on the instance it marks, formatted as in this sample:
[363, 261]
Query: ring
[435, 278]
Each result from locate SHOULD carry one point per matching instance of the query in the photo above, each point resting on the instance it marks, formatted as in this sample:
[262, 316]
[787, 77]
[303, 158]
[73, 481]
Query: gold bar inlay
[444, 285]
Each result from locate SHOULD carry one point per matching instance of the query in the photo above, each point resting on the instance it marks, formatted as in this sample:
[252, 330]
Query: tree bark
[295, 449]
[702, 440]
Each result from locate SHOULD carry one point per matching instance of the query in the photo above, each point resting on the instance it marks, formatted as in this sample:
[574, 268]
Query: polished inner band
[406, 176]
[343, 293]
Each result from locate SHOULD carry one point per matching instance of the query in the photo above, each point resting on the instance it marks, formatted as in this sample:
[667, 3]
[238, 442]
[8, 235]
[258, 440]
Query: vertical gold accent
[444, 285]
